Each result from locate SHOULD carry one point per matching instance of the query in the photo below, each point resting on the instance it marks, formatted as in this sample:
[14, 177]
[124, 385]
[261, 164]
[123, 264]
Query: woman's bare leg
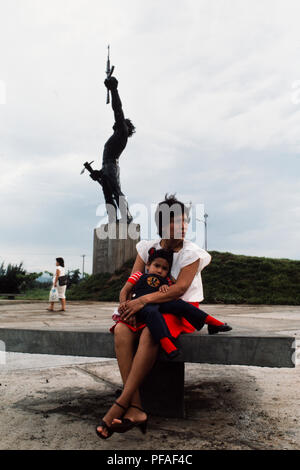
[142, 363]
[125, 351]
[124, 339]
[125, 348]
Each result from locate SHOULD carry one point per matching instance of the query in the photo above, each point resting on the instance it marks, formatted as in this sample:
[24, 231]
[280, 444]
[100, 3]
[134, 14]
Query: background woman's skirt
[61, 292]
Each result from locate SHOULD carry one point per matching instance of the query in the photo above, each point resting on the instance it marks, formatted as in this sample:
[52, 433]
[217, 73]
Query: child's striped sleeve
[133, 279]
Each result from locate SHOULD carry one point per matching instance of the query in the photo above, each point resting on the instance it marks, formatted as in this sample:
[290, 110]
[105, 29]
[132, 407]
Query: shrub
[15, 279]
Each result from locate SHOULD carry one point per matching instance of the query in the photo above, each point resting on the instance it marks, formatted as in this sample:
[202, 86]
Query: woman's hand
[132, 307]
[164, 288]
[122, 306]
[131, 320]
[122, 311]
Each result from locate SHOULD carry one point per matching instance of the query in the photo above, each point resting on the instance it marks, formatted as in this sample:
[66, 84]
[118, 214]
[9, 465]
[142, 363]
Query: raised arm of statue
[112, 85]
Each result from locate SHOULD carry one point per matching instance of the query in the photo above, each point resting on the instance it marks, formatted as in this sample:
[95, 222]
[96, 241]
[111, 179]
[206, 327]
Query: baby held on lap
[158, 278]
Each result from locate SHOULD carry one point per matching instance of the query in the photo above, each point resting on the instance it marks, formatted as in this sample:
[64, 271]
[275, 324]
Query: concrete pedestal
[114, 244]
[162, 392]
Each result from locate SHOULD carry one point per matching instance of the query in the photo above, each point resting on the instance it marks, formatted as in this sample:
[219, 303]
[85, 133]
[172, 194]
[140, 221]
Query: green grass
[104, 287]
[35, 294]
[250, 279]
[228, 279]
[32, 294]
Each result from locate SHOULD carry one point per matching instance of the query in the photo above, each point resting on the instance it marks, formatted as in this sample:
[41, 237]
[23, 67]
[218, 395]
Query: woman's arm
[125, 292]
[175, 291]
[56, 278]
[125, 296]
[139, 265]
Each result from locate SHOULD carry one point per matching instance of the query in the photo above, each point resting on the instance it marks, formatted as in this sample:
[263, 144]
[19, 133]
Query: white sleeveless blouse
[189, 253]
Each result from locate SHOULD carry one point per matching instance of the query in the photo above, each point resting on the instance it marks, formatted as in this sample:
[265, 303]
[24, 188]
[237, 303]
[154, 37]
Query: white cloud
[209, 86]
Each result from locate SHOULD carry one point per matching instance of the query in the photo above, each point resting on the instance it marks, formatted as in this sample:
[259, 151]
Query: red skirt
[176, 325]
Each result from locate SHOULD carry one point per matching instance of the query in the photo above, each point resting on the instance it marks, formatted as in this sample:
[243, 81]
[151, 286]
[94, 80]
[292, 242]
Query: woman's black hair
[168, 209]
[165, 254]
[61, 262]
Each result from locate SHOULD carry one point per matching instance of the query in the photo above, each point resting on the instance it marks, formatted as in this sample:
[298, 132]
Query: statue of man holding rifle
[109, 175]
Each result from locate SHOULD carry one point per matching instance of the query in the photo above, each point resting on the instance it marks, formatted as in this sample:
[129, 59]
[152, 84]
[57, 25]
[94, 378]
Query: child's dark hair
[61, 262]
[165, 254]
[168, 209]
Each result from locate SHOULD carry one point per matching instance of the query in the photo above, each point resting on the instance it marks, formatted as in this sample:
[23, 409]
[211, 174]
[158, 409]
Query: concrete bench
[163, 390]
[10, 296]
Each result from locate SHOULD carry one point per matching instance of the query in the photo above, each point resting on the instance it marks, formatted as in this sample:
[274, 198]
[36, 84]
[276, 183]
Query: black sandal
[104, 425]
[126, 424]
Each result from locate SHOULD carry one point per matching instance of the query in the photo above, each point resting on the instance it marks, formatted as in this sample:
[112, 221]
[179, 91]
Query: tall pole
[205, 226]
[205, 229]
[83, 256]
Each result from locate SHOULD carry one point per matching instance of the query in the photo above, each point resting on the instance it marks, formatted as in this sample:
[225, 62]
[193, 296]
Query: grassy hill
[104, 287]
[228, 279]
[250, 279]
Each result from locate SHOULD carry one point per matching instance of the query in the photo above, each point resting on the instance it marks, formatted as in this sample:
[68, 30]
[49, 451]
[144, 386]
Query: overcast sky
[213, 88]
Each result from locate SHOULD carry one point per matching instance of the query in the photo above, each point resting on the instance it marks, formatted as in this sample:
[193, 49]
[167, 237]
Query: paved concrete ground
[96, 316]
[55, 402]
[19, 361]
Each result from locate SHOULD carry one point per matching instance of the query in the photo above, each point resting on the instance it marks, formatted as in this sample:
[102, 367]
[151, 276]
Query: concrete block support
[162, 392]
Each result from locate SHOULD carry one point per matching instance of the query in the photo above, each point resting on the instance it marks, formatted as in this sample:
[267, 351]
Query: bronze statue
[109, 175]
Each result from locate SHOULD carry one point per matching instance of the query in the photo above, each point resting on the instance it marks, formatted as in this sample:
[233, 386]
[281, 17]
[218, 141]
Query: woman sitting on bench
[171, 218]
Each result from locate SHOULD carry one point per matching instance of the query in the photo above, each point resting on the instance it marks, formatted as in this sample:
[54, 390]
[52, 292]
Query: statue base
[114, 244]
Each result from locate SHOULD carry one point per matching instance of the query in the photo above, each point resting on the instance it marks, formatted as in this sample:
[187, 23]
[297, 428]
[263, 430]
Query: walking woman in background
[60, 283]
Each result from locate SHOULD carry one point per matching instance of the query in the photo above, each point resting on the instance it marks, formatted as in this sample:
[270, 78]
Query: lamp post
[205, 226]
[83, 256]
[205, 229]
